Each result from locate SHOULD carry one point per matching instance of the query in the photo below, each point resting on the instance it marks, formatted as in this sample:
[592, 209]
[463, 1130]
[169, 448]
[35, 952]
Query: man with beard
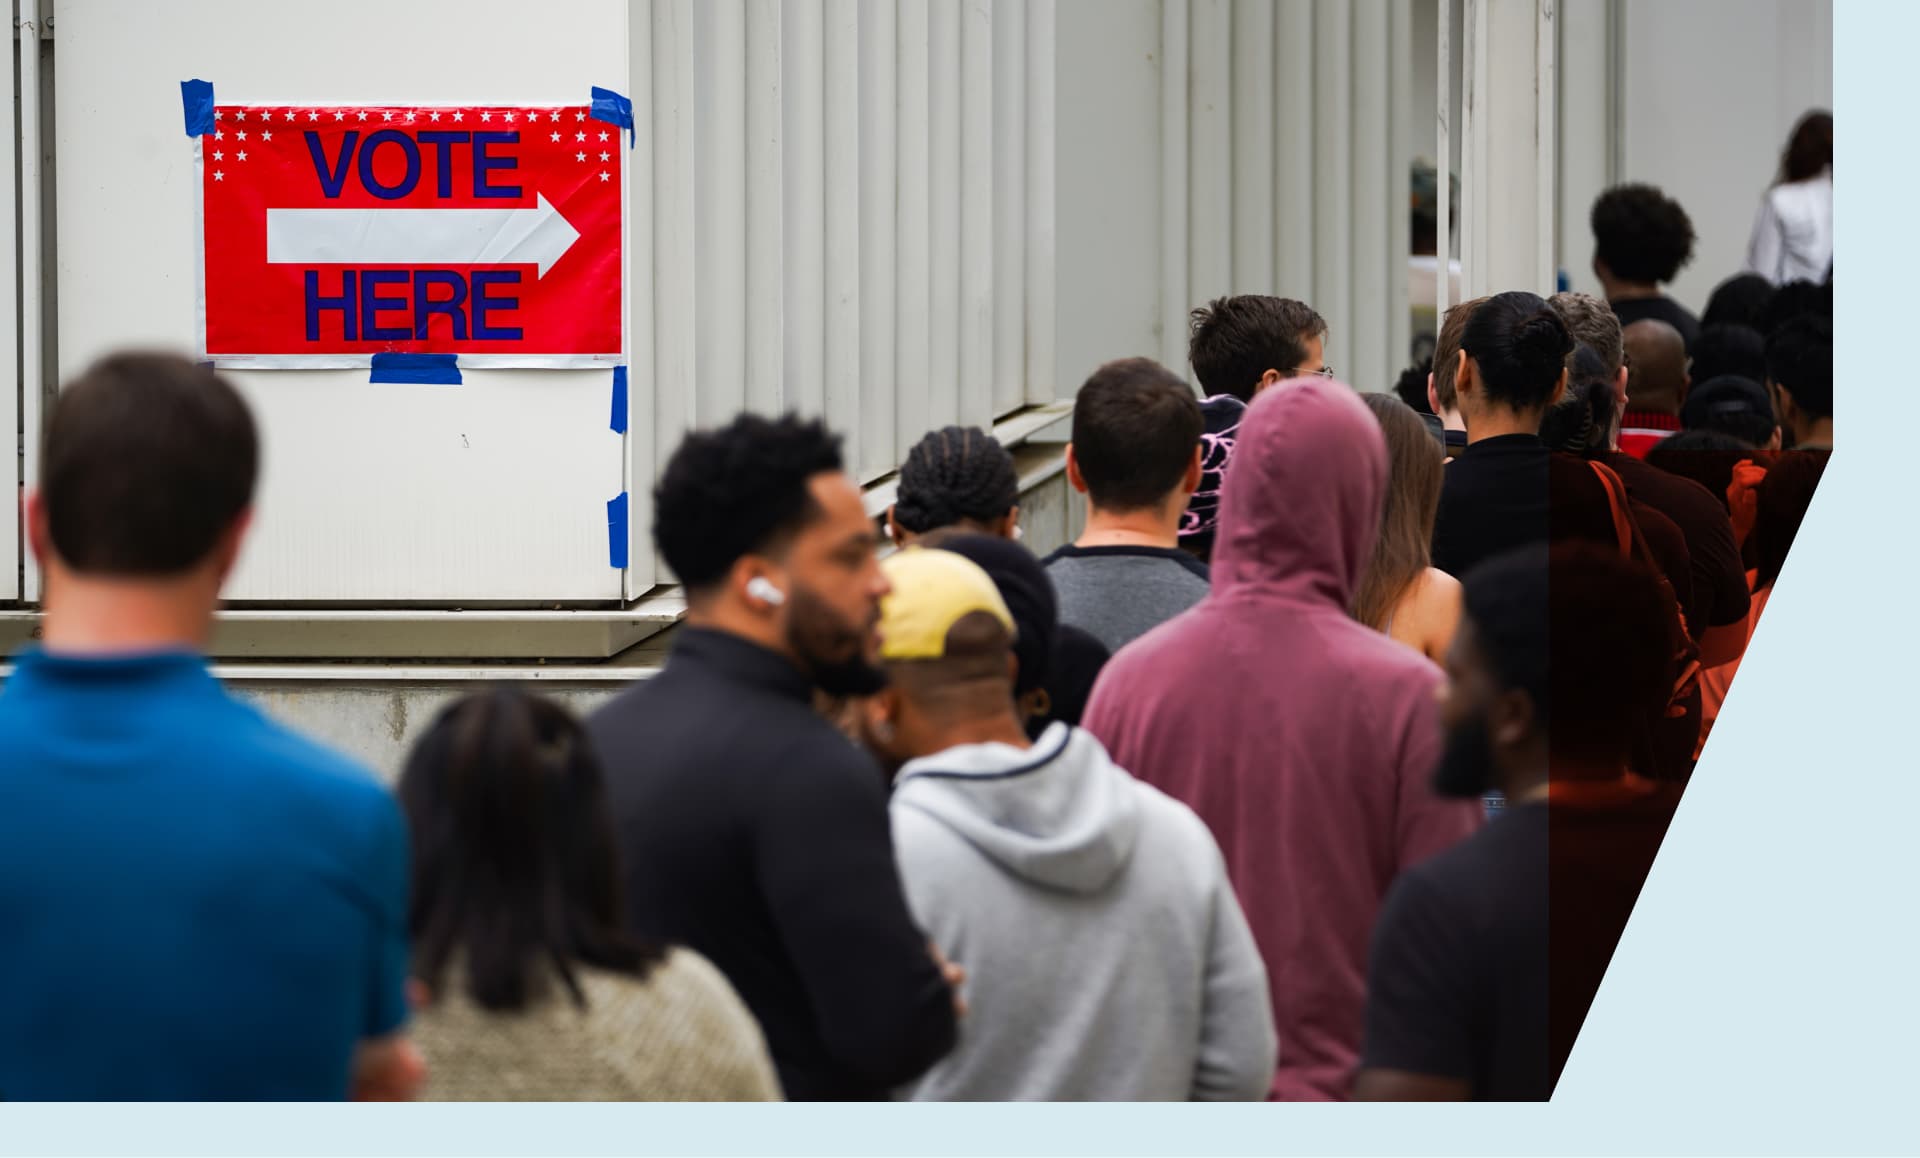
[1472, 992]
[750, 830]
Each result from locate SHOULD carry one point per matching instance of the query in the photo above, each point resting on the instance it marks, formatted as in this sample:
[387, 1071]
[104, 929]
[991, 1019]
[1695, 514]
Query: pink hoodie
[1302, 738]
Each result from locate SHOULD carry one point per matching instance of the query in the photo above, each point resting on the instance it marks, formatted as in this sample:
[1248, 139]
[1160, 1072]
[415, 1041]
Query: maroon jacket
[1303, 739]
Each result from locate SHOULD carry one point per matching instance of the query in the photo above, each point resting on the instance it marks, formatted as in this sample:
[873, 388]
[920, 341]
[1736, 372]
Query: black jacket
[754, 833]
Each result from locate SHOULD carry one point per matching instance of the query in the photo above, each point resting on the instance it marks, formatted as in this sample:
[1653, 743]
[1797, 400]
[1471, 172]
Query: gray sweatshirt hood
[1060, 814]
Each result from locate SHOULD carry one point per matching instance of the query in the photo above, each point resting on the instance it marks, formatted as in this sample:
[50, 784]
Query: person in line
[198, 903]
[1735, 406]
[1052, 867]
[1740, 300]
[1301, 737]
[1220, 418]
[1246, 344]
[750, 830]
[1413, 387]
[1511, 367]
[534, 990]
[957, 476]
[1424, 243]
[1727, 350]
[1472, 993]
[1782, 498]
[1656, 384]
[1058, 663]
[1800, 377]
[1442, 398]
[1797, 299]
[1641, 240]
[1400, 593]
[1792, 235]
[1135, 454]
[1715, 594]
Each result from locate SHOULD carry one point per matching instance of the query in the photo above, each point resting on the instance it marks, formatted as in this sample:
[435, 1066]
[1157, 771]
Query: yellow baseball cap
[932, 591]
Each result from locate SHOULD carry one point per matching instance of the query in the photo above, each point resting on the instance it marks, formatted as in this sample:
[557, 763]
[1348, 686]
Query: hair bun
[1542, 340]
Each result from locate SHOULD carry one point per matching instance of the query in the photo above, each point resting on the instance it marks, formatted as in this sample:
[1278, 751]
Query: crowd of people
[1263, 787]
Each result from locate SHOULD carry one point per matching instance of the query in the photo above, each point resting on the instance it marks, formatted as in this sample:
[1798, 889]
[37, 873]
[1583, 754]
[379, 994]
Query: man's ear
[39, 532]
[1773, 440]
[1074, 478]
[895, 533]
[1620, 386]
[1511, 719]
[226, 550]
[1559, 389]
[1267, 381]
[1433, 397]
[1463, 383]
[1010, 523]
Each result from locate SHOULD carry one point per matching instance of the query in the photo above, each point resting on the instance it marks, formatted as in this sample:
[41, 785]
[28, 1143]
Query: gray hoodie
[1106, 956]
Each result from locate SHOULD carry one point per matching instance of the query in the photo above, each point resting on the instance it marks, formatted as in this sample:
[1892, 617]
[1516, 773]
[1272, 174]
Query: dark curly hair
[1519, 346]
[1641, 234]
[953, 474]
[738, 490]
[1411, 387]
[1800, 361]
[1740, 300]
[1233, 341]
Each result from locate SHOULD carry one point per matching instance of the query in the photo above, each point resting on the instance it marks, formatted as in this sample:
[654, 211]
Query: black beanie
[1023, 583]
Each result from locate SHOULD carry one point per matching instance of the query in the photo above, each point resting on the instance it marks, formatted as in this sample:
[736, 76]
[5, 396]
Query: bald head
[1656, 366]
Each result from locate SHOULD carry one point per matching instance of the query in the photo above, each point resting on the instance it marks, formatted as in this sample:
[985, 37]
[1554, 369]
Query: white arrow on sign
[536, 236]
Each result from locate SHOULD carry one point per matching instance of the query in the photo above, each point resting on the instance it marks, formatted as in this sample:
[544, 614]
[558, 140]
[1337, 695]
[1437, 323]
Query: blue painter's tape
[619, 422]
[611, 107]
[196, 98]
[617, 531]
[427, 369]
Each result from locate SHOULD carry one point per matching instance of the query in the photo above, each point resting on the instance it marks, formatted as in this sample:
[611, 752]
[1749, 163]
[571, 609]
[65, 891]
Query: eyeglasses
[1322, 372]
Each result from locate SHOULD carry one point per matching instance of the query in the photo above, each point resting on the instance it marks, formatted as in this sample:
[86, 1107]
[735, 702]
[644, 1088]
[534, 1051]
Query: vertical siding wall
[1210, 147]
[847, 211]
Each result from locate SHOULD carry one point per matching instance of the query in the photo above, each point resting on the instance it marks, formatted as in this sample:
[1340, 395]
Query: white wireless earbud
[1019, 532]
[762, 588]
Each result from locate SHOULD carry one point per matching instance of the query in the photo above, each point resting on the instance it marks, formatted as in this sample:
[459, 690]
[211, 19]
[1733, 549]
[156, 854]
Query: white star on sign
[458, 115]
[338, 115]
[386, 116]
[241, 133]
[433, 116]
[556, 114]
[556, 136]
[603, 174]
[579, 156]
[486, 116]
[603, 136]
[265, 135]
[409, 118]
[243, 154]
[218, 155]
[363, 114]
[606, 156]
[579, 136]
[579, 116]
[219, 135]
[313, 115]
[509, 118]
[219, 176]
[289, 114]
[219, 115]
[240, 114]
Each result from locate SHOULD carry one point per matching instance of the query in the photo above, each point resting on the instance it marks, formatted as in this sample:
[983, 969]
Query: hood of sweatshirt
[1060, 814]
[1302, 502]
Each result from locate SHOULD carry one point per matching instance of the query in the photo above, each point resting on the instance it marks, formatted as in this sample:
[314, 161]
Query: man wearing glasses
[1243, 345]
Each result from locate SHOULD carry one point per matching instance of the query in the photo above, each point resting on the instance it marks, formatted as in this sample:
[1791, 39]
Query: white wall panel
[494, 490]
[11, 541]
[879, 153]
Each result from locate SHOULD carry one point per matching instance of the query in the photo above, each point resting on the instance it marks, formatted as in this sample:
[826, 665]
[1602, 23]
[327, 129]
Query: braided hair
[955, 473]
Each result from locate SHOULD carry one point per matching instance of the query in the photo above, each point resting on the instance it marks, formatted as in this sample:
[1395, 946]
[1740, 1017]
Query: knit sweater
[681, 1034]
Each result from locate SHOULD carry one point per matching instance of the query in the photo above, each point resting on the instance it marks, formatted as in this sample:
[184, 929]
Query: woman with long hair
[532, 988]
[1401, 593]
[1793, 234]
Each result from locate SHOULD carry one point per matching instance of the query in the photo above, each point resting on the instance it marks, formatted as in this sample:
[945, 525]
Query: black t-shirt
[1469, 979]
[1660, 309]
[1493, 498]
[1719, 579]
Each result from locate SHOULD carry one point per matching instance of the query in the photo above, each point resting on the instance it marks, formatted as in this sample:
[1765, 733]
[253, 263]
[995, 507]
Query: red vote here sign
[335, 233]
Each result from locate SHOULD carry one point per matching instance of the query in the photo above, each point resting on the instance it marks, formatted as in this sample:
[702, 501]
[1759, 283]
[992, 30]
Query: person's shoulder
[298, 760]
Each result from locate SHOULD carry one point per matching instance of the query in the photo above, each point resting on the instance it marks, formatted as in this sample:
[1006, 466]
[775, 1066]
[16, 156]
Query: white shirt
[1793, 234]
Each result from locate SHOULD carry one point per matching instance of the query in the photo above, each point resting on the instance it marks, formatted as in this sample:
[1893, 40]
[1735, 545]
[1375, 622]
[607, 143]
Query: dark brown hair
[1810, 149]
[1135, 428]
[1446, 350]
[149, 458]
[1401, 552]
[1233, 341]
[515, 869]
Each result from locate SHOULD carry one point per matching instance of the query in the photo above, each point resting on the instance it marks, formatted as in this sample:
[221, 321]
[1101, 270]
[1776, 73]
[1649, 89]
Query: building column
[1508, 210]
